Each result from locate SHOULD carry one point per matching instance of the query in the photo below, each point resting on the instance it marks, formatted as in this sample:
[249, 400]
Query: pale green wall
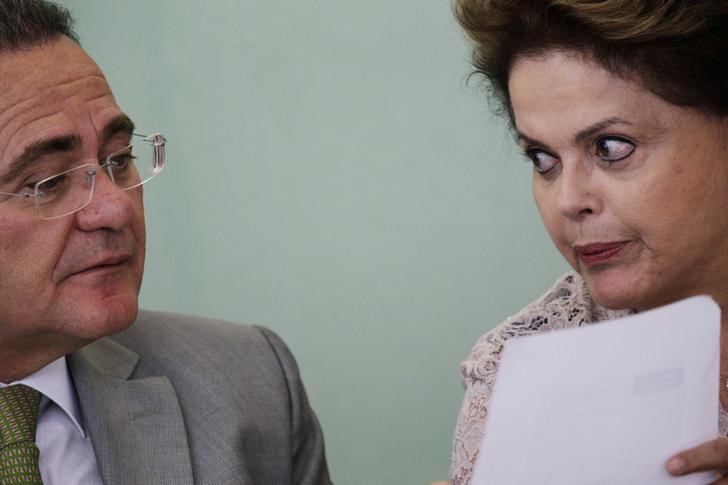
[332, 177]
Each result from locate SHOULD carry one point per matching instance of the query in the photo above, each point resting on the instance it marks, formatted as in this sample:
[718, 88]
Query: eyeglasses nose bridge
[107, 167]
[91, 179]
[92, 174]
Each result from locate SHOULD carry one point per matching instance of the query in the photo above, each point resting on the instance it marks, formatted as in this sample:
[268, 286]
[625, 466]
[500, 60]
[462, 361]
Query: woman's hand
[709, 456]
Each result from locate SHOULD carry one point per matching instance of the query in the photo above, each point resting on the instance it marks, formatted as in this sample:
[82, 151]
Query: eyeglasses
[70, 191]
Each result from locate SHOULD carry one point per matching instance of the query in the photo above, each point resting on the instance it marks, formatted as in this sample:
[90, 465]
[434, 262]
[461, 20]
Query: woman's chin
[614, 293]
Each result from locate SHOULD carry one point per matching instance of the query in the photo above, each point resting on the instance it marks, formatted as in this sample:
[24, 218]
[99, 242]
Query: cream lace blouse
[566, 304]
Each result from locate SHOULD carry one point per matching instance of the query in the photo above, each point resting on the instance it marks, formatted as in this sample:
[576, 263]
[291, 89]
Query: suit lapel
[136, 426]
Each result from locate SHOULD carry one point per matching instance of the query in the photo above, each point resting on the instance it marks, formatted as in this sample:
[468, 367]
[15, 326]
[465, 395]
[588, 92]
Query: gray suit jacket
[180, 400]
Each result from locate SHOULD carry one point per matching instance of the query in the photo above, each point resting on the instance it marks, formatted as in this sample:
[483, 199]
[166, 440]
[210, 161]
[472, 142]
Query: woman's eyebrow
[581, 135]
[522, 138]
[595, 128]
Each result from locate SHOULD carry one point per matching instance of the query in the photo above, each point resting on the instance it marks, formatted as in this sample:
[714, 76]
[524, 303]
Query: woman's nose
[577, 192]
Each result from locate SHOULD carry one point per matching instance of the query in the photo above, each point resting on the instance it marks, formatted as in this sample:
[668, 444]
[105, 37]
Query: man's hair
[28, 23]
[676, 49]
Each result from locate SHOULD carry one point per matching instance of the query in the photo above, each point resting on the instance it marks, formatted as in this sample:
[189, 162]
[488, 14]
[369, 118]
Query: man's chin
[94, 311]
[103, 318]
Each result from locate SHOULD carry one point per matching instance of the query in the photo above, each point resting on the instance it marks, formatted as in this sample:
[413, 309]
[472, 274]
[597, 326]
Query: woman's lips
[600, 252]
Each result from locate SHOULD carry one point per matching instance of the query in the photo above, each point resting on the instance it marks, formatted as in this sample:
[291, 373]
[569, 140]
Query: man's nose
[110, 207]
[577, 191]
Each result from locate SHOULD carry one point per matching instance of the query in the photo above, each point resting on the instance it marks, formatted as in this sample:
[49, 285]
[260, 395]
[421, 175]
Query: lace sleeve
[479, 378]
[566, 304]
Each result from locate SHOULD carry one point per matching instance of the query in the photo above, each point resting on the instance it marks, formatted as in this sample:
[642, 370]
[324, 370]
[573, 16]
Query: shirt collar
[54, 383]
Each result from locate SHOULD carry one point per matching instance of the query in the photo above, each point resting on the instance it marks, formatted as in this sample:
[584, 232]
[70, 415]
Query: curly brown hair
[677, 49]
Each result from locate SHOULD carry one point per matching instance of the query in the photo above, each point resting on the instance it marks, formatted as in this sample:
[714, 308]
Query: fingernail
[675, 465]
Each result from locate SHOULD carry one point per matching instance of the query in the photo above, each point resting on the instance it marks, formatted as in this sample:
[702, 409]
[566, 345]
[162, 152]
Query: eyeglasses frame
[158, 142]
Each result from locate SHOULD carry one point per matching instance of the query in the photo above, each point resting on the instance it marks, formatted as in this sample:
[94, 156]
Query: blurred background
[333, 176]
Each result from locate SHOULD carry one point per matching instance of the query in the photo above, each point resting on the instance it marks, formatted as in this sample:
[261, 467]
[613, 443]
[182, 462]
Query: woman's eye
[542, 161]
[613, 149]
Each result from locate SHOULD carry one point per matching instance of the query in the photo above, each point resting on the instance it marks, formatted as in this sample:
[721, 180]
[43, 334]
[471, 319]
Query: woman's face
[632, 189]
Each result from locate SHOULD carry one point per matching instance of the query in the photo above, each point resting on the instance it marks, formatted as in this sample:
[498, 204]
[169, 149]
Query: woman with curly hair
[622, 108]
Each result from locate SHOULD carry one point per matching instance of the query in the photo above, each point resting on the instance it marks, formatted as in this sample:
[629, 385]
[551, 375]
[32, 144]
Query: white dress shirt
[66, 454]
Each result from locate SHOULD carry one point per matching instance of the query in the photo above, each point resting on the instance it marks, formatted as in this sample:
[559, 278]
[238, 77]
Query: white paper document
[607, 403]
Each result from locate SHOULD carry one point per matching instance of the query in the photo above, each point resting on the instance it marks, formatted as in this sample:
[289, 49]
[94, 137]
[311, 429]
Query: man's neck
[23, 364]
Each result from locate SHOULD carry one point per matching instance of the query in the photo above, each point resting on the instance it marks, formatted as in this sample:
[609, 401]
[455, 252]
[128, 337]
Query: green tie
[19, 406]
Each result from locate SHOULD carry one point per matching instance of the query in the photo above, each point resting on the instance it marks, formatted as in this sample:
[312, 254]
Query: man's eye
[27, 189]
[122, 161]
[29, 186]
[542, 161]
[613, 148]
[54, 185]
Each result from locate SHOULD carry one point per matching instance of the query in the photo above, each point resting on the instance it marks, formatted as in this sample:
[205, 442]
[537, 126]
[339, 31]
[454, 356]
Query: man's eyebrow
[36, 150]
[119, 124]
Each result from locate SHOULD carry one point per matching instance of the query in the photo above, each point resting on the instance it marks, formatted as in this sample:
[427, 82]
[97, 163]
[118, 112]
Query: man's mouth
[108, 262]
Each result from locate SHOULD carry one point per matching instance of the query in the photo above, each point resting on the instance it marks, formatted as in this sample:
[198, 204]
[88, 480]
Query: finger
[720, 481]
[712, 455]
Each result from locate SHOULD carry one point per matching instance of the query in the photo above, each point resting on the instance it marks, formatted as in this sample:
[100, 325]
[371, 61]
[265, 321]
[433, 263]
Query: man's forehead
[39, 75]
[51, 90]
[38, 118]
[45, 64]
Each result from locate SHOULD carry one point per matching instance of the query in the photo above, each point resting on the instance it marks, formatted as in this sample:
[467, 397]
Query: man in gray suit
[86, 394]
